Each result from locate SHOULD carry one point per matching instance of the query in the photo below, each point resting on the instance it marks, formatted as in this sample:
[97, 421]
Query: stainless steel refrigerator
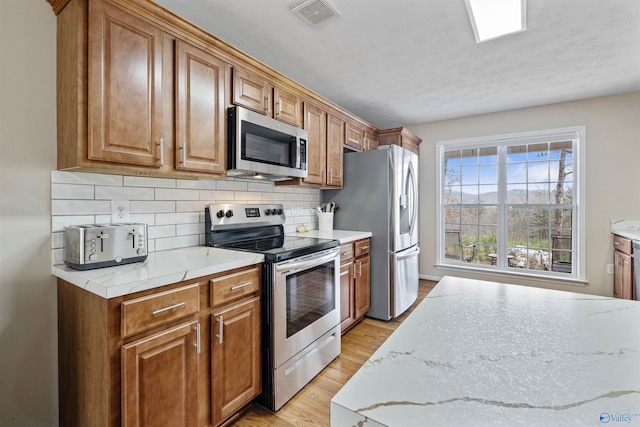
[380, 195]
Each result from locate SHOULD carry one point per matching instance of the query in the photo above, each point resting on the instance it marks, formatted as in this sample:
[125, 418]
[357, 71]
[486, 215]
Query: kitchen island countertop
[159, 269]
[478, 353]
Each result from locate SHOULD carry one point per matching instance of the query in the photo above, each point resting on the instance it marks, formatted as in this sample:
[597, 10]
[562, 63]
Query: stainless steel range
[300, 294]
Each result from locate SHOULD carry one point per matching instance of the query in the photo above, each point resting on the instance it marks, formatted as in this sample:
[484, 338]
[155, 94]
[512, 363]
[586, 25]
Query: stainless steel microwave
[264, 148]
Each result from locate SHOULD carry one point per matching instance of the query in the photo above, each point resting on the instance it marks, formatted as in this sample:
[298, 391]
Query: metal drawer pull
[220, 329]
[616, 243]
[241, 285]
[197, 344]
[171, 307]
[364, 247]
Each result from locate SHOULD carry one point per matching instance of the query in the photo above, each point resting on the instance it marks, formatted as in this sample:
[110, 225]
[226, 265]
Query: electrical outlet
[609, 268]
[119, 210]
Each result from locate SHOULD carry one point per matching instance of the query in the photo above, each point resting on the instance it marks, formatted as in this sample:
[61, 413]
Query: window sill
[519, 274]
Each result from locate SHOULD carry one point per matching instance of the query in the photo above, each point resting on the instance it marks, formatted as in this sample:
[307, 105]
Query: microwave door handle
[298, 156]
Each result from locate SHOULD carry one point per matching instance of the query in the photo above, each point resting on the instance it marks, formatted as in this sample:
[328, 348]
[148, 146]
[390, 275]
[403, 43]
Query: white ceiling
[402, 62]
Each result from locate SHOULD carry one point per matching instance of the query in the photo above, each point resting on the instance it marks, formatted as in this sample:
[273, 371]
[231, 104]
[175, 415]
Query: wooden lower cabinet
[622, 268]
[160, 379]
[235, 360]
[355, 283]
[169, 356]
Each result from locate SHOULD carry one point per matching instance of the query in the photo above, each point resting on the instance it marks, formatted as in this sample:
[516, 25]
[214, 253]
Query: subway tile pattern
[172, 208]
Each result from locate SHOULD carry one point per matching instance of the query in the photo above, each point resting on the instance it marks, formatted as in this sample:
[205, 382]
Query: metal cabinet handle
[616, 243]
[324, 175]
[242, 285]
[278, 108]
[364, 247]
[184, 153]
[220, 329]
[161, 144]
[360, 268]
[197, 344]
[171, 307]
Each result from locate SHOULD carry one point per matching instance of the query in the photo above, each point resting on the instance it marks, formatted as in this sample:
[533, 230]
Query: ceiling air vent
[314, 11]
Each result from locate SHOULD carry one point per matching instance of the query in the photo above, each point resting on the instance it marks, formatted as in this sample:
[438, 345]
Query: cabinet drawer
[153, 310]
[622, 244]
[232, 286]
[362, 247]
[346, 253]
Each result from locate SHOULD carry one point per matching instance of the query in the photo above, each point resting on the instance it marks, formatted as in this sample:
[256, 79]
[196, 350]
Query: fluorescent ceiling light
[495, 18]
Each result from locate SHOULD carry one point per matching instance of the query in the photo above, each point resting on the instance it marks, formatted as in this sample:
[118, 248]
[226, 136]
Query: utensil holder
[325, 221]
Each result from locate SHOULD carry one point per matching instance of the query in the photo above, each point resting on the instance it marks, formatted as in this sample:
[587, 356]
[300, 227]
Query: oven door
[306, 302]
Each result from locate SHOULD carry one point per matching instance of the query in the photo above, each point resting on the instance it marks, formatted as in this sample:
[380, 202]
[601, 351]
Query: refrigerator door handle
[408, 254]
[414, 207]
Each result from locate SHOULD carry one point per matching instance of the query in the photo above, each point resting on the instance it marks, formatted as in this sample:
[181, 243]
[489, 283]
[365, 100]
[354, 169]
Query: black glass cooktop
[280, 248]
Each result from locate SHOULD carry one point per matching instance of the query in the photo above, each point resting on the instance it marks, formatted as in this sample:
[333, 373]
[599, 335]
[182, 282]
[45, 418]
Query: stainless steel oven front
[306, 320]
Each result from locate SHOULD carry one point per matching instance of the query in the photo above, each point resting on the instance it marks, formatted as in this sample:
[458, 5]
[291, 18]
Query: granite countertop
[477, 353]
[159, 269]
[177, 265]
[627, 228]
[344, 236]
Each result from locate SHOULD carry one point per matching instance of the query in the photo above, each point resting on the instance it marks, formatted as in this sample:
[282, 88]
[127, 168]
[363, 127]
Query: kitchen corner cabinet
[159, 357]
[360, 139]
[622, 268]
[402, 137]
[255, 93]
[355, 283]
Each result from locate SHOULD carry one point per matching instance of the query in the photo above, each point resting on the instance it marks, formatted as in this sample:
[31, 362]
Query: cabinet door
[362, 286]
[354, 136]
[335, 141]
[235, 359]
[347, 314]
[160, 379]
[251, 91]
[124, 87]
[371, 141]
[315, 122]
[200, 110]
[287, 107]
[623, 276]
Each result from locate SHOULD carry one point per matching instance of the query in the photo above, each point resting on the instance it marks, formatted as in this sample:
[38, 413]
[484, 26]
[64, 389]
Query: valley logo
[606, 417]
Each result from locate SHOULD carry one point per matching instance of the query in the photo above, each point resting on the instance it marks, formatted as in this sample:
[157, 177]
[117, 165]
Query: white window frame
[576, 134]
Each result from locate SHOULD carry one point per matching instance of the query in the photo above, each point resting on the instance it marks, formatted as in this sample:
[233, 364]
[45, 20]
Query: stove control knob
[280, 211]
[267, 212]
[220, 213]
[274, 212]
[229, 213]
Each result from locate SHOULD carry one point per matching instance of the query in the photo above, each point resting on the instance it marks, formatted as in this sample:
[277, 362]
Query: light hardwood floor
[310, 407]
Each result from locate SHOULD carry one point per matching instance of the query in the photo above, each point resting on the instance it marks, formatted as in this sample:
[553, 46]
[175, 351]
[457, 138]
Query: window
[513, 203]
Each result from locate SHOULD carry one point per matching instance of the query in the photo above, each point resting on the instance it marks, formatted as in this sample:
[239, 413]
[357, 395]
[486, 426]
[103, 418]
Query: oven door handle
[305, 264]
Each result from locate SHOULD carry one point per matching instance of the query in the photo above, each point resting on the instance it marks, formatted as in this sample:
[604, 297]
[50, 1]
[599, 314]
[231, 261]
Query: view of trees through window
[510, 206]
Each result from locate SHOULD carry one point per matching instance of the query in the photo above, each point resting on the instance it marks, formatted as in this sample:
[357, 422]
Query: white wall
[612, 170]
[28, 350]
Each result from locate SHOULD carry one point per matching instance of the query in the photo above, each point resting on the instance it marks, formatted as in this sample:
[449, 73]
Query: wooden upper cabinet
[354, 136]
[200, 110]
[315, 123]
[371, 141]
[402, 137]
[287, 107]
[335, 142]
[253, 92]
[124, 87]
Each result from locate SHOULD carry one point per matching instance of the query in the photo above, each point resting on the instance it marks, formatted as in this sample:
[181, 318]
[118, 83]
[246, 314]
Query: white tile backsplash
[173, 208]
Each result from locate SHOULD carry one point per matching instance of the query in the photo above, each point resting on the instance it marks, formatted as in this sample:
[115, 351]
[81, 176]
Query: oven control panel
[236, 215]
